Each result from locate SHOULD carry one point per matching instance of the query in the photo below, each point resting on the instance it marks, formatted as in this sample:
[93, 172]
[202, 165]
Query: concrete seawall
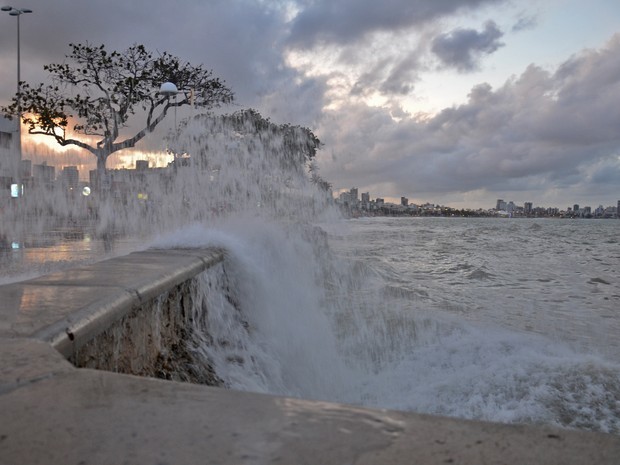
[72, 343]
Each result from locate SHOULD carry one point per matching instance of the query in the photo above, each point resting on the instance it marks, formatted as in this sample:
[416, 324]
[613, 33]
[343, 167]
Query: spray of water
[231, 165]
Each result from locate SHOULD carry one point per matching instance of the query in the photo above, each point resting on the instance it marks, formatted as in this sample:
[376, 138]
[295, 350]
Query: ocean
[507, 320]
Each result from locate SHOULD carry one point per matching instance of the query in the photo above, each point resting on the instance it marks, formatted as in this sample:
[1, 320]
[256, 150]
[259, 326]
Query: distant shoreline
[456, 213]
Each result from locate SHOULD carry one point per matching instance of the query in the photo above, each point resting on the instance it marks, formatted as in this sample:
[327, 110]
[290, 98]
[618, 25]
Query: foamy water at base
[480, 319]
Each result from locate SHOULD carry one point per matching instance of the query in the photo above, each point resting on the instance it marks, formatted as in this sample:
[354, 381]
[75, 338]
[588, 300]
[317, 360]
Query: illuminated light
[17, 190]
[15, 245]
[142, 196]
[86, 191]
[168, 88]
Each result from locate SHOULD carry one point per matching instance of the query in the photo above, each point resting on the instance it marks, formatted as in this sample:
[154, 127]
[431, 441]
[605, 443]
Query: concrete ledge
[69, 308]
[55, 413]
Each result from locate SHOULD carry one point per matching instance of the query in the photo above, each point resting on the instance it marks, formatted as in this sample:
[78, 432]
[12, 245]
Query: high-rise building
[7, 129]
[366, 200]
[354, 195]
[26, 169]
[500, 204]
[576, 208]
[345, 198]
[10, 157]
[527, 207]
[43, 174]
[70, 177]
[599, 211]
[404, 201]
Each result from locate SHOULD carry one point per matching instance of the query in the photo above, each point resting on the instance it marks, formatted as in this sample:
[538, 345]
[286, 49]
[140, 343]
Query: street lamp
[18, 12]
[168, 89]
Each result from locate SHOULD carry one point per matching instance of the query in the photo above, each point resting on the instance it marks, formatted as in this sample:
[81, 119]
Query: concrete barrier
[128, 315]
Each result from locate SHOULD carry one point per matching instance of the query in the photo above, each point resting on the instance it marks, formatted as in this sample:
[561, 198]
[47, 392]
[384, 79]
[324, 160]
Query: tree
[293, 146]
[102, 90]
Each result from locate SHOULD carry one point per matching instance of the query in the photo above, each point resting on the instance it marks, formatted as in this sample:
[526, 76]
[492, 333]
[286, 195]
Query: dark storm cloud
[390, 76]
[539, 131]
[402, 76]
[241, 41]
[462, 48]
[347, 21]
[524, 23]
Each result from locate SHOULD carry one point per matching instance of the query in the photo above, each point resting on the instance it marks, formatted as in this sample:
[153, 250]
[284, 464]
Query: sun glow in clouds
[40, 149]
[43, 149]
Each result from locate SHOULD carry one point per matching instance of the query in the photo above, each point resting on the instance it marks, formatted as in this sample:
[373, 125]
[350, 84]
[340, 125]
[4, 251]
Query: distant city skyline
[499, 204]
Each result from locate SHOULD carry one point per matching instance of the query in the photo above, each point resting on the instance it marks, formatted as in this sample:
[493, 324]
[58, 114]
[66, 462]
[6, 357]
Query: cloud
[390, 75]
[539, 132]
[462, 48]
[525, 22]
[347, 21]
[240, 40]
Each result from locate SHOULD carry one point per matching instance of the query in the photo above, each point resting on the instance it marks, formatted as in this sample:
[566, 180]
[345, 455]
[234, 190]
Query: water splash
[225, 166]
[285, 313]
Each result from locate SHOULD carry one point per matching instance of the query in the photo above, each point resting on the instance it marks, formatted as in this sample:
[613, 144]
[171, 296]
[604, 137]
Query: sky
[452, 102]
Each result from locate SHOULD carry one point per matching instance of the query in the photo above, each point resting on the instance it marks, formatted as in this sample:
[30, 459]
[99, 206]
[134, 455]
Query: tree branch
[132, 141]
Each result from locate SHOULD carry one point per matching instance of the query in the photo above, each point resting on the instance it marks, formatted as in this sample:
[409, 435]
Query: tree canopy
[102, 90]
[293, 146]
[298, 144]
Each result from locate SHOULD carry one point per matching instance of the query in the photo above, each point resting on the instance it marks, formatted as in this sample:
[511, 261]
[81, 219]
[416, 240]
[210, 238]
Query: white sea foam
[276, 337]
[320, 326]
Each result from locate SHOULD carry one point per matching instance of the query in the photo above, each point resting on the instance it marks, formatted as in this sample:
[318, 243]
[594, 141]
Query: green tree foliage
[102, 90]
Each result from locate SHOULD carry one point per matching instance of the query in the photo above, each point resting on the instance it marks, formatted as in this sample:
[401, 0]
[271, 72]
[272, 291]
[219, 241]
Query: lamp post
[18, 12]
[168, 89]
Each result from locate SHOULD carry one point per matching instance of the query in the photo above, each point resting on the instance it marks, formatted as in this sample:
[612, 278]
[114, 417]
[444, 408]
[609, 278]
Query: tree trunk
[103, 184]
[101, 159]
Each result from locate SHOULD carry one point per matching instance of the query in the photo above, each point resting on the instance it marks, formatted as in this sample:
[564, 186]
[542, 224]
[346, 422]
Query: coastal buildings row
[355, 205]
[575, 211]
[43, 177]
[19, 177]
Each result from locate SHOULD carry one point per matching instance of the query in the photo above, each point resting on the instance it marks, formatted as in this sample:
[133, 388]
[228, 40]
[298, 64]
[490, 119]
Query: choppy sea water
[504, 320]
[558, 278]
[534, 312]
